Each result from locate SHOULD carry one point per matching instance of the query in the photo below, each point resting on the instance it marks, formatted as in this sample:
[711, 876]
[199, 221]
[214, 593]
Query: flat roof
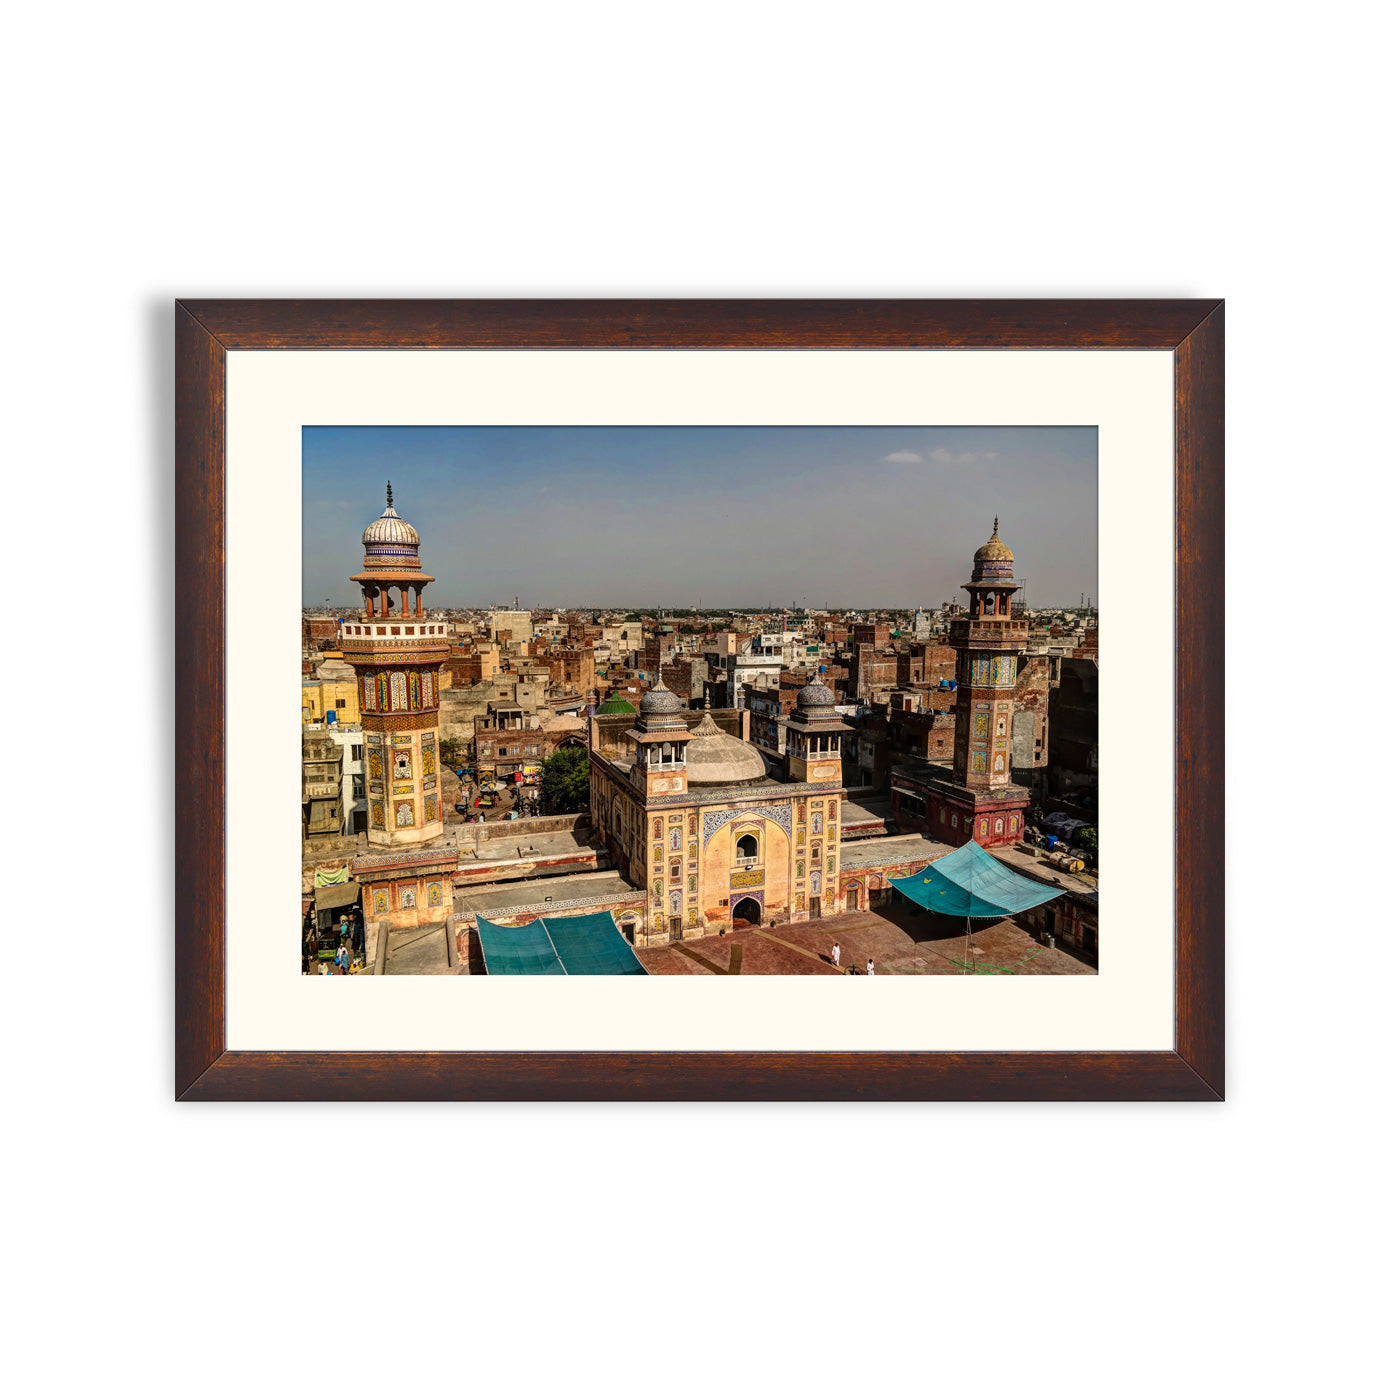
[886, 850]
[543, 845]
[868, 810]
[482, 899]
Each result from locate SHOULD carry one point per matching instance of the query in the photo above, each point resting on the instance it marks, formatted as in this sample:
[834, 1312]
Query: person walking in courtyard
[870, 967]
[836, 955]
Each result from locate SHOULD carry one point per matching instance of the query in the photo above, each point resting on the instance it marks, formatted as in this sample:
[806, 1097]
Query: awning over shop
[337, 896]
[586, 945]
[971, 883]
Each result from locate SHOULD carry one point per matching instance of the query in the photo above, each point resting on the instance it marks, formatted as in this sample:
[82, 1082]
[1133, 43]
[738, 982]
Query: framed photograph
[712, 653]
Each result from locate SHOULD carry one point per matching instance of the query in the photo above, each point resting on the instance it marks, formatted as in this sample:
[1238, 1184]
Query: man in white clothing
[836, 955]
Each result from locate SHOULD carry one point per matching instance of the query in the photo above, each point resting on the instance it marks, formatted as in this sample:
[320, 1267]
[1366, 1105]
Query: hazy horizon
[720, 518]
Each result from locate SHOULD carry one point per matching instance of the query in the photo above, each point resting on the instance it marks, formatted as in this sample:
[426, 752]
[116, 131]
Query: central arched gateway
[747, 912]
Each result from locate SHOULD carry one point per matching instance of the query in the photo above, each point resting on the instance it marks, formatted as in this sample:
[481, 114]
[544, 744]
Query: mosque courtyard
[902, 942]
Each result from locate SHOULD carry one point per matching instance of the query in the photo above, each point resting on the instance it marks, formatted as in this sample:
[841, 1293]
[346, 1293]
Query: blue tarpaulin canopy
[971, 883]
[586, 945]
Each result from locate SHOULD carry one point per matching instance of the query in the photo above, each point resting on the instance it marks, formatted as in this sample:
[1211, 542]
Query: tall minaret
[988, 641]
[397, 654]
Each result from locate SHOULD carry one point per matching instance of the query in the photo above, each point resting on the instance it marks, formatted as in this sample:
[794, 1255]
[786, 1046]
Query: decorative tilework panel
[981, 726]
[376, 814]
[780, 813]
[403, 814]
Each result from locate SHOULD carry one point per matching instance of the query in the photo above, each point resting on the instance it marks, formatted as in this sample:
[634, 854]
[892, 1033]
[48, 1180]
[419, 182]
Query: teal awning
[524, 950]
[971, 883]
[586, 945]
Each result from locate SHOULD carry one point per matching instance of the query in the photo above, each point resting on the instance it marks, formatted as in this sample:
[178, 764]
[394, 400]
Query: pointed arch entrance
[748, 912]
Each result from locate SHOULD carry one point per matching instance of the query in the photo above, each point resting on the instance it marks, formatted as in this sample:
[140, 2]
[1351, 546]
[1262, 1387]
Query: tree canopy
[564, 780]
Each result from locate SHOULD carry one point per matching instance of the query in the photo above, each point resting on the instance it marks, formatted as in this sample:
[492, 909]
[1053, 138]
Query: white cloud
[940, 456]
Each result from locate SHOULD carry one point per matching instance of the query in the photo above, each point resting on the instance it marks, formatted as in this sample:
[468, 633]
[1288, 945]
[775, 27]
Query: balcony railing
[746, 863]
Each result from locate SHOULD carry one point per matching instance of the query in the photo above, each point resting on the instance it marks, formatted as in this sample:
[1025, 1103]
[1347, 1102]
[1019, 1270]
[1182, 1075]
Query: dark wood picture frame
[1193, 330]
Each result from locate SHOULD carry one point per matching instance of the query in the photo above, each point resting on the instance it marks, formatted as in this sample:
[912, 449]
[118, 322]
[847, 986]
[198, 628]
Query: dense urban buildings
[736, 773]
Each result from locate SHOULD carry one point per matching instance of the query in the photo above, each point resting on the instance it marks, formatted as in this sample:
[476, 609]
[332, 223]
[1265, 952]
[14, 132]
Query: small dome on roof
[617, 705]
[661, 702]
[810, 696]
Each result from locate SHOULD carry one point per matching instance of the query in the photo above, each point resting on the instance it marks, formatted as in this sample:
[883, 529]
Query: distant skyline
[714, 517]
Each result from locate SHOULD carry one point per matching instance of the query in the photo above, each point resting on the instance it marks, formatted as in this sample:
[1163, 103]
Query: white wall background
[729, 149]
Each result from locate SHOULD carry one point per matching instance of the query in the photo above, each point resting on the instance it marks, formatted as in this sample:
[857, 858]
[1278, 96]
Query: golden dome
[994, 549]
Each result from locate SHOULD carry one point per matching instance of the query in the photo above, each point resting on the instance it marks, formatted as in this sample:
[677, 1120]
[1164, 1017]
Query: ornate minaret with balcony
[397, 653]
[988, 642]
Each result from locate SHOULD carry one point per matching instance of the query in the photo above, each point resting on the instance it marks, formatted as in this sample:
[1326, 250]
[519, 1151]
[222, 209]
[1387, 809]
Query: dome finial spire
[389, 492]
[996, 523]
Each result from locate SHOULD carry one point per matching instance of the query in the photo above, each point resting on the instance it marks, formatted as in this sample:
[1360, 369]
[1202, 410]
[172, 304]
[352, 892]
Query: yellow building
[332, 688]
[695, 821]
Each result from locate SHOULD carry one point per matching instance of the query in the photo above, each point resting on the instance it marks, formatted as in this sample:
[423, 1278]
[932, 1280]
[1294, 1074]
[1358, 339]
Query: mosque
[703, 838]
[692, 819]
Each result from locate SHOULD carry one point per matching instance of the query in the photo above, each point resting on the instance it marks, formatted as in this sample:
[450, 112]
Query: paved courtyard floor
[902, 944]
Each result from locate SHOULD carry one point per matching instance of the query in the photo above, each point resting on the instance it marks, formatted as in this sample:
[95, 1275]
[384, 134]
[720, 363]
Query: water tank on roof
[330, 716]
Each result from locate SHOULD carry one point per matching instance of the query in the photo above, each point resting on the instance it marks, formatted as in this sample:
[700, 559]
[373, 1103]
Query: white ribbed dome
[390, 528]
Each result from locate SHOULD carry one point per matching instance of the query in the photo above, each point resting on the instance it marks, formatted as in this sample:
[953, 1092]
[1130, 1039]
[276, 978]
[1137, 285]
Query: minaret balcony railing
[391, 628]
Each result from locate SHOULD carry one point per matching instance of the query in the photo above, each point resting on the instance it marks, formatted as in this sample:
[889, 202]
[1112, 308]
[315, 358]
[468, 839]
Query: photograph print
[699, 701]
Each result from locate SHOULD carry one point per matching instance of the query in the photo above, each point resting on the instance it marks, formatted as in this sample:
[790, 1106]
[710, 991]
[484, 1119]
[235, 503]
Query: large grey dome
[816, 695]
[714, 758]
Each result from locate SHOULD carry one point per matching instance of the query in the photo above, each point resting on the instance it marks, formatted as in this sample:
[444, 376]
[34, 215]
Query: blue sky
[850, 517]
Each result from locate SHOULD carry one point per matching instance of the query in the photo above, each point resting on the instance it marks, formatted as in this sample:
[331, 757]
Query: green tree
[564, 780]
[450, 748]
